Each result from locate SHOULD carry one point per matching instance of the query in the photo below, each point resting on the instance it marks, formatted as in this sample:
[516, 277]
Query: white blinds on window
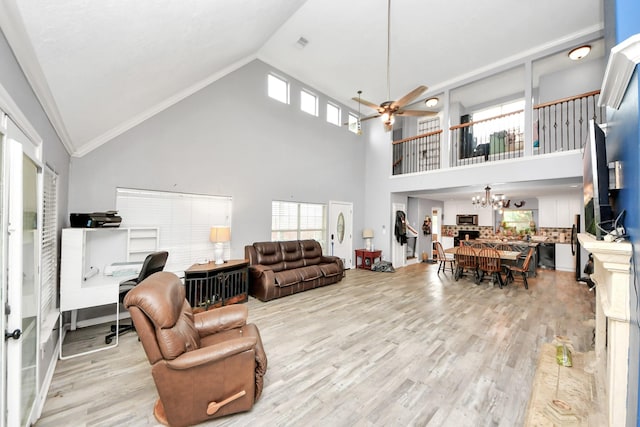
[184, 221]
[49, 247]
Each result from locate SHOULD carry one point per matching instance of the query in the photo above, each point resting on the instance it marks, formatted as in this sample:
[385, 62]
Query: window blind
[49, 268]
[184, 221]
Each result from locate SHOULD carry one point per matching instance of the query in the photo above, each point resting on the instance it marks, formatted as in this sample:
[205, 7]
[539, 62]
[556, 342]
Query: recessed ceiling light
[579, 52]
[431, 102]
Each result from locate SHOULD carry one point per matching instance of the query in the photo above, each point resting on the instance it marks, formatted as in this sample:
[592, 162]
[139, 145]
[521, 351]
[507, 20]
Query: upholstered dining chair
[489, 263]
[443, 258]
[465, 259]
[153, 263]
[205, 365]
[521, 269]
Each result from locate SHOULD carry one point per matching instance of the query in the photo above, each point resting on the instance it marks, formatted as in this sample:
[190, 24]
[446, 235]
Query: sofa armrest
[332, 259]
[261, 272]
[212, 353]
[220, 319]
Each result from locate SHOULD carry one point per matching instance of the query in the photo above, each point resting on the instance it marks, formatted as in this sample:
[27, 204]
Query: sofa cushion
[291, 254]
[309, 273]
[269, 254]
[287, 278]
[330, 269]
[311, 251]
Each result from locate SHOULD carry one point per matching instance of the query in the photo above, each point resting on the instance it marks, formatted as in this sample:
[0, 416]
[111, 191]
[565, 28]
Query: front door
[341, 232]
[20, 258]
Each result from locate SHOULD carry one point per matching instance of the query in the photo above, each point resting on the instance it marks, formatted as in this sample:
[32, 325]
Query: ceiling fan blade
[365, 102]
[409, 97]
[416, 113]
[369, 117]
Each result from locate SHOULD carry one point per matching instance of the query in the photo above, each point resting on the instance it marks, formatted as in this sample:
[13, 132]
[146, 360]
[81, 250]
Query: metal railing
[492, 139]
[417, 154]
[560, 125]
[563, 124]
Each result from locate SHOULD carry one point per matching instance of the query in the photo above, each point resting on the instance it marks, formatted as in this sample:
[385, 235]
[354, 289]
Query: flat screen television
[598, 214]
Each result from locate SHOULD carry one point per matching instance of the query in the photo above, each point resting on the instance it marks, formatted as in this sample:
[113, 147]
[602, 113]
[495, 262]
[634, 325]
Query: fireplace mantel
[611, 275]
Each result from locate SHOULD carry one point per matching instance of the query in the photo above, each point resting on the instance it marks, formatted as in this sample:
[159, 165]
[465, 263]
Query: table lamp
[219, 235]
[367, 235]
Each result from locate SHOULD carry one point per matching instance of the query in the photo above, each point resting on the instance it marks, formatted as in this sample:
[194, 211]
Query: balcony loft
[559, 126]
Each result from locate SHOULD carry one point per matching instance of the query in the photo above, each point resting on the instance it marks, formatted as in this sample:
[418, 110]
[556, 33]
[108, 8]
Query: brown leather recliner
[205, 365]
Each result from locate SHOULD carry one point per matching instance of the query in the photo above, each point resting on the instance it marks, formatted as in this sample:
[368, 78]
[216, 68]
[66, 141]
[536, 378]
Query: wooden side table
[217, 284]
[365, 259]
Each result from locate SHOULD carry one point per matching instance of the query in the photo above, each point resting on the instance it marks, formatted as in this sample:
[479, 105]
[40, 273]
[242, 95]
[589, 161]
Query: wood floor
[377, 349]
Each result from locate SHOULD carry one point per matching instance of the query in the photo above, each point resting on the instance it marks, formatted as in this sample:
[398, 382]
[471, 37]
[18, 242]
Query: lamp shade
[367, 233]
[220, 234]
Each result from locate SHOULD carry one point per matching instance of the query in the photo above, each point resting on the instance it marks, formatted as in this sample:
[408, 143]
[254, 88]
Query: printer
[95, 219]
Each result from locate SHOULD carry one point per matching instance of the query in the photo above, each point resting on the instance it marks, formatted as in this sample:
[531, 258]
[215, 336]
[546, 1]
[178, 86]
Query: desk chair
[153, 263]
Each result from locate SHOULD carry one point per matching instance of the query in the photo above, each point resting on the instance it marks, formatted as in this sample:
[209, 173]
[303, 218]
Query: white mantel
[613, 295]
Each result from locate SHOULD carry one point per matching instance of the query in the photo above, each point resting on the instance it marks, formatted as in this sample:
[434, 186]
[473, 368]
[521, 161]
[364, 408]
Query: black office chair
[153, 263]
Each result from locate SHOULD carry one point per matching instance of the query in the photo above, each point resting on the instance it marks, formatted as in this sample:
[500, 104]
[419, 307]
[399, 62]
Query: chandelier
[495, 201]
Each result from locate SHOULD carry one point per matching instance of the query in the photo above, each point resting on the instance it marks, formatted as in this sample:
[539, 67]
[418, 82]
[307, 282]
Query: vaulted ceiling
[101, 67]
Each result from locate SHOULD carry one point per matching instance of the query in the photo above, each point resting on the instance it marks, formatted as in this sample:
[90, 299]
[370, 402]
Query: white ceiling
[101, 67]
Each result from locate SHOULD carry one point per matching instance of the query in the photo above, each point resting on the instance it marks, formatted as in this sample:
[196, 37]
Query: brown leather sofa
[205, 365]
[277, 269]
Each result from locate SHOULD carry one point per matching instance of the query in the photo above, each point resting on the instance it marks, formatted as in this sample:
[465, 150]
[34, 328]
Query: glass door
[20, 203]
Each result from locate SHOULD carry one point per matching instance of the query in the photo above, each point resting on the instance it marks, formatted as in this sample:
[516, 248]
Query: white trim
[622, 62]
[15, 33]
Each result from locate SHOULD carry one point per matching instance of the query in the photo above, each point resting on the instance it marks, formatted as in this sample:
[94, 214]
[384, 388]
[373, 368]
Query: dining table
[504, 255]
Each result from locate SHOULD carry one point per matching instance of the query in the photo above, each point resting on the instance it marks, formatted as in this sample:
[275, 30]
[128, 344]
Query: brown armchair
[204, 365]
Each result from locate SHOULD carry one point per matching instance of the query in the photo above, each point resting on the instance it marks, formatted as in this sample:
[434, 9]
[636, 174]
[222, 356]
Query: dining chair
[489, 263]
[465, 259]
[522, 269]
[478, 245]
[443, 258]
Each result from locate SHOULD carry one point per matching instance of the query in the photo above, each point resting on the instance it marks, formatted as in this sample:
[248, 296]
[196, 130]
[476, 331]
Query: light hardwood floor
[377, 349]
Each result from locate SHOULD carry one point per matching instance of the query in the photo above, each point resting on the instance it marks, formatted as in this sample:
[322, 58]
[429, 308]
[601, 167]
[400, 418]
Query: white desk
[85, 253]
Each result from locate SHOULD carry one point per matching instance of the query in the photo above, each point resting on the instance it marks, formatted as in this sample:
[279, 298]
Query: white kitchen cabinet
[447, 242]
[485, 216]
[547, 215]
[565, 261]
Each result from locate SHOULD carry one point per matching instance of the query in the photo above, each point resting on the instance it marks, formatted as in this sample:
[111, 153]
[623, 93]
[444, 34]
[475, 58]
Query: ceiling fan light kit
[388, 110]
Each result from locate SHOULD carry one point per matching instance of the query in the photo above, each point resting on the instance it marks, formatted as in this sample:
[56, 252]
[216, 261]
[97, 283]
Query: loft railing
[417, 154]
[492, 139]
[559, 125]
[563, 124]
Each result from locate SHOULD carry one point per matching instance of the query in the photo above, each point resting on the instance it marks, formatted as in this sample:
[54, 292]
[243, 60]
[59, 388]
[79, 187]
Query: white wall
[231, 139]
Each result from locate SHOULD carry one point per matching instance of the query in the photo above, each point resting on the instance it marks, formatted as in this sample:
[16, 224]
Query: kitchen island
[521, 246]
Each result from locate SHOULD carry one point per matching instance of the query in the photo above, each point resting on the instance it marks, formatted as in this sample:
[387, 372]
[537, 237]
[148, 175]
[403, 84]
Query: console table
[215, 285]
[365, 259]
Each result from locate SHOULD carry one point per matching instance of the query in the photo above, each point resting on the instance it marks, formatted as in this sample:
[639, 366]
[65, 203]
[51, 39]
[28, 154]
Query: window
[297, 221]
[184, 221]
[520, 220]
[278, 88]
[333, 114]
[48, 311]
[482, 131]
[309, 103]
[354, 124]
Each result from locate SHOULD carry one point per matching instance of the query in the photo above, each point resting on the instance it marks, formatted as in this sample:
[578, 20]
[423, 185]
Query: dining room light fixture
[495, 201]
[579, 52]
[431, 102]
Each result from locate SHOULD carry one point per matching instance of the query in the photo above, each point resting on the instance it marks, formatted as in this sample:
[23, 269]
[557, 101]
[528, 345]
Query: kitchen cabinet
[558, 211]
[565, 261]
[447, 242]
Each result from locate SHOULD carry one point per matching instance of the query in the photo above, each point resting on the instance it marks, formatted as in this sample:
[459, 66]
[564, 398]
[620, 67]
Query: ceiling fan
[389, 109]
